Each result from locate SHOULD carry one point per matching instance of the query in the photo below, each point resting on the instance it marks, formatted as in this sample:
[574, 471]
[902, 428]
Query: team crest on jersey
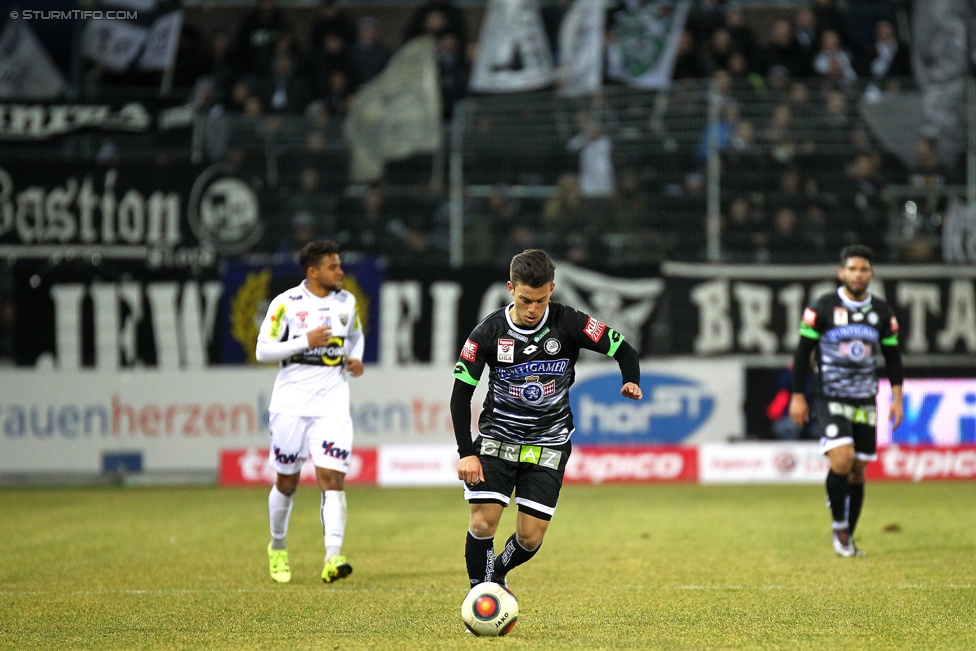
[506, 350]
[855, 349]
[594, 329]
[857, 316]
[469, 351]
[343, 318]
[873, 318]
[532, 392]
[840, 316]
[810, 317]
[552, 346]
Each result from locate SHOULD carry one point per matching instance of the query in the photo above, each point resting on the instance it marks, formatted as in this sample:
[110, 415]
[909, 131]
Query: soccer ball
[490, 610]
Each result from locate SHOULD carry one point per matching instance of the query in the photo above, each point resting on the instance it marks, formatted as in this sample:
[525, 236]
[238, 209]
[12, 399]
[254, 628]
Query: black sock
[856, 491]
[837, 491]
[513, 556]
[479, 556]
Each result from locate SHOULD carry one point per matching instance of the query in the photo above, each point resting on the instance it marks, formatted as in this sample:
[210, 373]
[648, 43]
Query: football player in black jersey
[530, 348]
[846, 331]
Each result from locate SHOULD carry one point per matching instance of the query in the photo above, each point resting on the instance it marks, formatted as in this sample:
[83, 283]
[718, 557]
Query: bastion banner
[159, 215]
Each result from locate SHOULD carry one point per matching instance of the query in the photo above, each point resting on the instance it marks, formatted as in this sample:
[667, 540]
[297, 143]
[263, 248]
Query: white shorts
[294, 438]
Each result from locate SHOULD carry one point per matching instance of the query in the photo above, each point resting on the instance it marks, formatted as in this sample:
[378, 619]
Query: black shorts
[847, 422]
[534, 472]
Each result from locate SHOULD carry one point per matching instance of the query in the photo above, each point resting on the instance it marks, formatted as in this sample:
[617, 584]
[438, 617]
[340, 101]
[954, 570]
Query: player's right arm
[467, 372]
[809, 336]
[273, 343]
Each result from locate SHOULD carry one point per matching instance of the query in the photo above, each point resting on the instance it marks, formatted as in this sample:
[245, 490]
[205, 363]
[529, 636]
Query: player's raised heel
[502, 580]
[336, 568]
[278, 565]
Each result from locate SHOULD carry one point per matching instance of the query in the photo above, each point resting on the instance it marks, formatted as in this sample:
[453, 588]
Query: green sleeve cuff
[615, 340]
[808, 332]
[890, 341]
[461, 373]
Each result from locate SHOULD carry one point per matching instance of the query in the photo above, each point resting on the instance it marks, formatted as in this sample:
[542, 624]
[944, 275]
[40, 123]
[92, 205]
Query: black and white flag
[581, 48]
[26, 69]
[161, 42]
[397, 114]
[150, 41]
[514, 52]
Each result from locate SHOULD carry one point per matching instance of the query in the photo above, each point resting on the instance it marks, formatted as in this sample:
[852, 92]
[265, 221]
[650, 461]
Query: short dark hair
[856, 251]
[312, 253]
[532, 268]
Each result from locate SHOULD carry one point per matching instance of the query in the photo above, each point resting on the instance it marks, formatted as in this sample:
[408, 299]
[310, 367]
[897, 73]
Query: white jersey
[312, 381]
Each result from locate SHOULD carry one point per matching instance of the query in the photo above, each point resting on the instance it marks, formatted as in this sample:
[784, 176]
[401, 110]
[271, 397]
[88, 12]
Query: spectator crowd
[800, 171]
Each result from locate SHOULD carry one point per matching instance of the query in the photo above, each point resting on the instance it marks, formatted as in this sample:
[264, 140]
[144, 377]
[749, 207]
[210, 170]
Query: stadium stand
[765, 130]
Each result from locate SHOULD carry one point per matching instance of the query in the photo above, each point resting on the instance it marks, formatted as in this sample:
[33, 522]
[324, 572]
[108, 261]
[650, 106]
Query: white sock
[279, 508]
[333, 521]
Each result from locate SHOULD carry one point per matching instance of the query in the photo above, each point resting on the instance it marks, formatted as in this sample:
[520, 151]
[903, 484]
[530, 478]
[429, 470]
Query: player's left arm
[629, 363]
[355, 346]
[896, 373]
[597, 336]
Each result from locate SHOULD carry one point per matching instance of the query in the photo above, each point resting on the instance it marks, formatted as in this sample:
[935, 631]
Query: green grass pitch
[623, 567]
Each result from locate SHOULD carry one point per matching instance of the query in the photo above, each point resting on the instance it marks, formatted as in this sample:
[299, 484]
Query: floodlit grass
[658, 567]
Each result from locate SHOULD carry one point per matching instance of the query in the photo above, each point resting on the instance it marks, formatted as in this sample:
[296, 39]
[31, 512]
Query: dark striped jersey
[530, 371]
[849, 336]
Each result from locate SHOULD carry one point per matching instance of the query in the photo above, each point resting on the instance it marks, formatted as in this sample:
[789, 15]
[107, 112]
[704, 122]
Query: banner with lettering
[116, 314]
[162, 215]
[426, 313]
[83, 260]
[21, 121]
[756, 310]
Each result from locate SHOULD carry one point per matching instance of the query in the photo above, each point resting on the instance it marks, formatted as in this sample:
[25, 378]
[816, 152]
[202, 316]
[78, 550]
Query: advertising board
[937, 412]
[755, 462]
[58, 421]
[252, 467]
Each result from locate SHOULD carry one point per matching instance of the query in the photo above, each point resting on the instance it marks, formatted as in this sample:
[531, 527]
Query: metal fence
[714, 170]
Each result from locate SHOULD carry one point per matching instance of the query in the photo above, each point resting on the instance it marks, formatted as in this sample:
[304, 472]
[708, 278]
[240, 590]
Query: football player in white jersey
[313, 331]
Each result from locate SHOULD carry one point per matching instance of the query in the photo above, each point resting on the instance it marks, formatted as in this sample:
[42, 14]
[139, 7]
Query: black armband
[461, 417]
[629, 363]
[801, 363]
[896, 372]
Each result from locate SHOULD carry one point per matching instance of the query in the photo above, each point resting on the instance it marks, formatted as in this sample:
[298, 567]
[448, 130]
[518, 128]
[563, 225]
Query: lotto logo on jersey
[810, 317]
[469, 351]
[594, 329]
[506, 350]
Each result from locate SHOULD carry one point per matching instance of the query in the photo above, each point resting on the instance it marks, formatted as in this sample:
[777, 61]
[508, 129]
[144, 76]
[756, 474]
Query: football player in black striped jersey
[846, 331]
[530, 348]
